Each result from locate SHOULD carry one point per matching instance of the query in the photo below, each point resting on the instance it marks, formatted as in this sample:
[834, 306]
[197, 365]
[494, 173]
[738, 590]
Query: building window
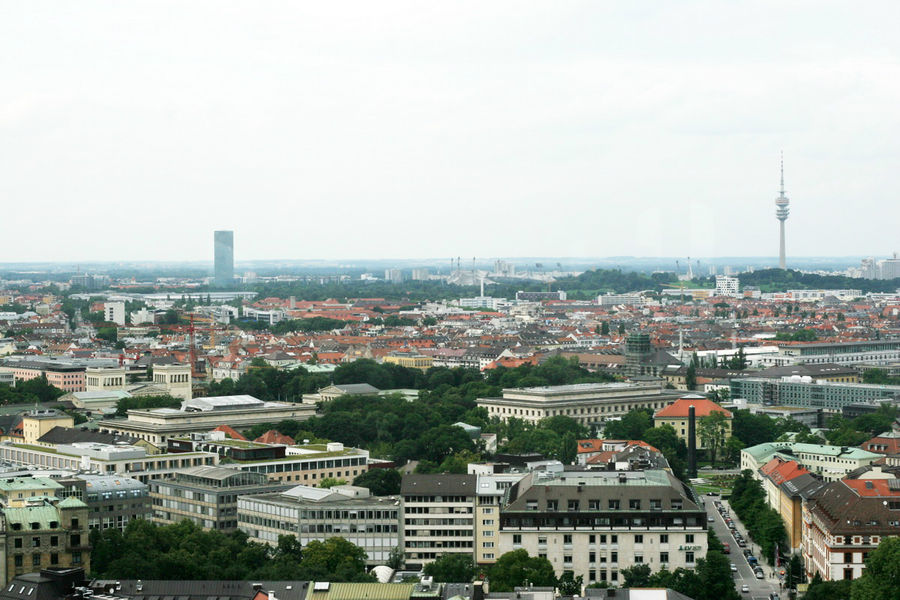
[36, 559]
[639, 539]
[664, 557]
[17, 543]
[688, 557]
[17, 560]
[664, 538]
[689, 538]
[638, 559]
[567, 539]
[517, 538]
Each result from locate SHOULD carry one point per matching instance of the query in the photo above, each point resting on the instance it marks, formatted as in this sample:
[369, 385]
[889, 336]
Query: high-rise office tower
[781, 213]
[224, 246]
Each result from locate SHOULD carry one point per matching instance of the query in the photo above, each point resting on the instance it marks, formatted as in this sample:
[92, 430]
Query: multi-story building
[203, 414]
[490, 490]
[42, 535]
[114, 312]
[308, 513]
[309, 464]
[872, 352]
[620, 299]
[787, 484]
[69, 378]
[807, 393]
[410, 360]
[113, 501]
[438, 514]
[105, 379]
[208, 496]
[175, 378]
[676, 415]
[224, 258]
[844, 521]
[596, 523]
[728, 286]
[39, 421]
[588, 403]
[16, 492]
[106, 459]
[825, 461]
[540, 296]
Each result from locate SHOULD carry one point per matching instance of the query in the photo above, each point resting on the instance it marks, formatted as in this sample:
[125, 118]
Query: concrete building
[540, 296]
[490, 490]
[844, 521]
[42, 535]
[310, 464]
[676, 415]
[16, 492]
[175, 378]
[393, 275]
[107, 459]
[105, 379]
[114, 312]
[438, 514]
[620, 300]
[206, 495]
[825, 461]
[597, 523]
[871, 352]
[590, 404]
[201, 415]
[223, 242]
[729, 287]
[308, 513]
[804, 392]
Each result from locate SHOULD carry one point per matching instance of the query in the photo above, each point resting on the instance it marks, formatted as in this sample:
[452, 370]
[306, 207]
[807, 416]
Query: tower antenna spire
[782, 172]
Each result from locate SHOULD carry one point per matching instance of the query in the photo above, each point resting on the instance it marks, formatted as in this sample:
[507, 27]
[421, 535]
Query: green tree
[712, 430]
[690, 377]
[380, 482]
[637, 576]
[330, 482]
[516, 568]
[335, 559]
[568, 449]
[569, 584]
[396, 558]
[604, 328]
[455, 567]
[630, 427]
[881, 577]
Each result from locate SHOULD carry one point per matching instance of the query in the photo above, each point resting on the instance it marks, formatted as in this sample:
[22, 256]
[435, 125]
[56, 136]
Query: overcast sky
[132, 130]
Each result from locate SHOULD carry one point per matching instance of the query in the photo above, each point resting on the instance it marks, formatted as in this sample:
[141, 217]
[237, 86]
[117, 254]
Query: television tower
[781, 213]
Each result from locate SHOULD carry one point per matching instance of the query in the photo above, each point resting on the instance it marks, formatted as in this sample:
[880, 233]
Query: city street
[760, 589]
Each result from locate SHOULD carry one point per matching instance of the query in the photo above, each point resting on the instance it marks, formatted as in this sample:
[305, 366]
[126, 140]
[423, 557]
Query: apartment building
[206, 495]
[438, 514]
[308, 513]
[489, 492]
[16, 492]
[588, 403]
[38, 422]
[41, 535]
[113, 501]
[596, 523]
[844, 521]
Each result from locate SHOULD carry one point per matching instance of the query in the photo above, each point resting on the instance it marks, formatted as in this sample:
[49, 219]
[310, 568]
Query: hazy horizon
[132, 131]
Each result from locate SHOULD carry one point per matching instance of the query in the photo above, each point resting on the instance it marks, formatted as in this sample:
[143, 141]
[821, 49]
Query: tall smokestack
[692, 443]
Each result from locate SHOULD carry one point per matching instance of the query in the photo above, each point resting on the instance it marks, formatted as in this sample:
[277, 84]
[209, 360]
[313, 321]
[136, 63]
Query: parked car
[745, 589]
[733, 568]
[760, 574]
[711, 519]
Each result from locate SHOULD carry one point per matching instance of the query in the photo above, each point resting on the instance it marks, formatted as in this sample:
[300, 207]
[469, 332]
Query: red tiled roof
[870, 487]
[229, 432]
[703, 407]
[274, 437]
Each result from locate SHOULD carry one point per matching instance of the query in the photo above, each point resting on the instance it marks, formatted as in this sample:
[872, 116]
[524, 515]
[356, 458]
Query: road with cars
[756, 589]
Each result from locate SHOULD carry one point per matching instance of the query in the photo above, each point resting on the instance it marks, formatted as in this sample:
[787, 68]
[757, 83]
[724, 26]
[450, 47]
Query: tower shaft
[782, 264]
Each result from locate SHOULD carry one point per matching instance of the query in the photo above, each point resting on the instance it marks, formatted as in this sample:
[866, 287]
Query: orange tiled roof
[703, 407]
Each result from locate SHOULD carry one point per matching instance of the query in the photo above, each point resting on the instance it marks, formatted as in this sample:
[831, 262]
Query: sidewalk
[768, 570]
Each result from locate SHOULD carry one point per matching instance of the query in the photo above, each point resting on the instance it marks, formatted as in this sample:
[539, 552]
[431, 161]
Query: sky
[340, 130]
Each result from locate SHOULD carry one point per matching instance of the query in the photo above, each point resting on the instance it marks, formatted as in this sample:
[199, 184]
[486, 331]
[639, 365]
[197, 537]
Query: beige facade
[176, 379]
[38, 422]
[409, 360]
[309, 465]
[105, 379]
[438, 517]
[587, 403]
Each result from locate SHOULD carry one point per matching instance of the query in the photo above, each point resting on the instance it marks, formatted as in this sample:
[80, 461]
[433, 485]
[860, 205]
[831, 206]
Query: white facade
[114, 312]
[98, 379]
[728, 286]
[175, 378]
